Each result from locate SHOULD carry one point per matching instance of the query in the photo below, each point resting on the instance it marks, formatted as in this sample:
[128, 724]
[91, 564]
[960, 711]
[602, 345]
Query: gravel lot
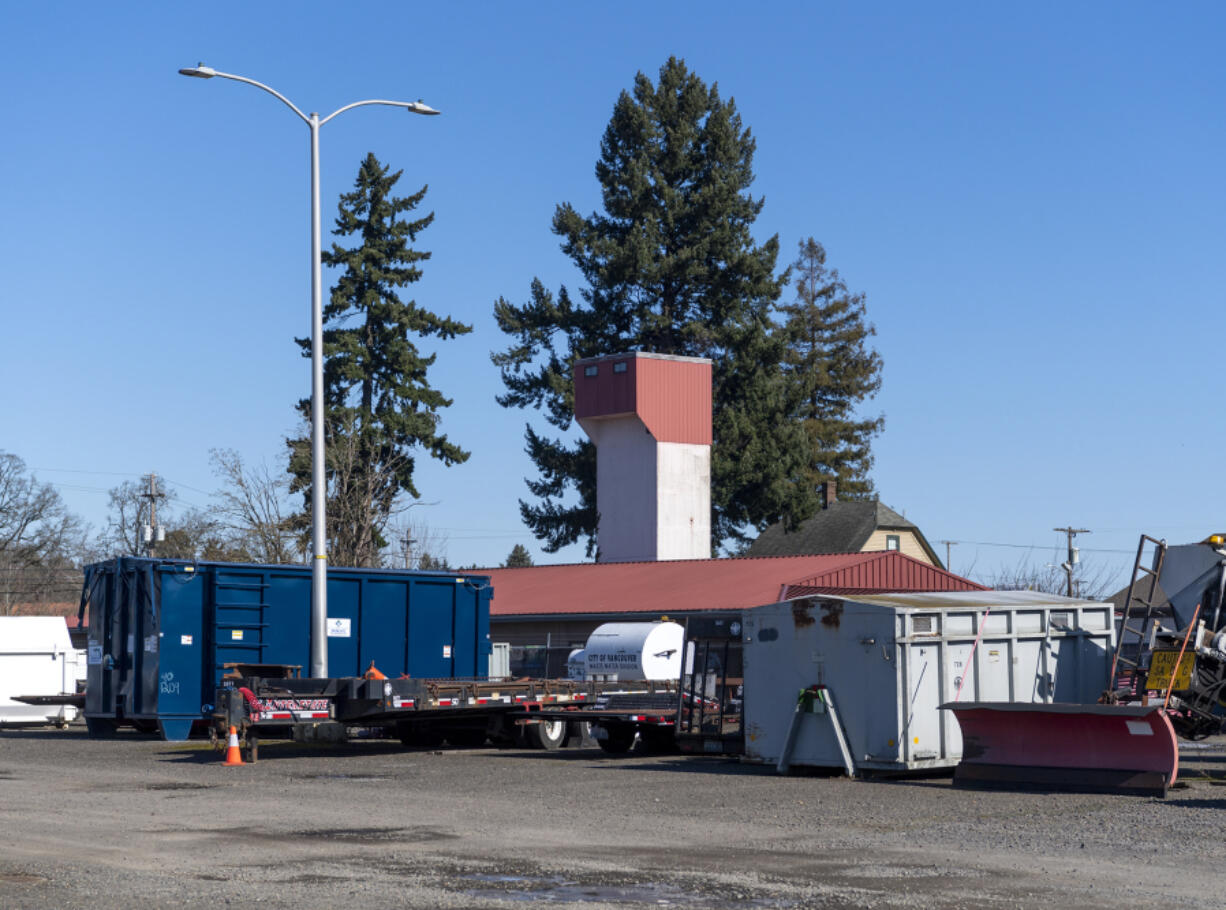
[135, 822]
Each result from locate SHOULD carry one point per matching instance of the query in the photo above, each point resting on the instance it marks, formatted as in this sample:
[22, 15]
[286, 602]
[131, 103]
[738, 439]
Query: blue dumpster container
[161, 631]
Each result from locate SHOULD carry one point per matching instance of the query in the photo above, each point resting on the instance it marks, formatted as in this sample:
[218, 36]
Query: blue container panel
[238, 604]
[344, 614]
[288, 613]
[431, 628]
[184, 683]
[384, 625]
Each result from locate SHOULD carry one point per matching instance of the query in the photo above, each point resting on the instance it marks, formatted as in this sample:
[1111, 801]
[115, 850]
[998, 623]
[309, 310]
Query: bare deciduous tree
[254, 508]
[1093, 583]
[40, 540]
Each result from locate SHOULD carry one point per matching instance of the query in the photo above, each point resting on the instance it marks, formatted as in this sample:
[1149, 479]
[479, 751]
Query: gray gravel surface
[135, 822]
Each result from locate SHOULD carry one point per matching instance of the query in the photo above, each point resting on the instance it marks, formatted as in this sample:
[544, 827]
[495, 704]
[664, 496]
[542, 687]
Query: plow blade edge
[1097, 748]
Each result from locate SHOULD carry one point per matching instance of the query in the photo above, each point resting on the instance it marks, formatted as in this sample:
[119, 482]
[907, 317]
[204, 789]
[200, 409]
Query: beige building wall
[908, 545]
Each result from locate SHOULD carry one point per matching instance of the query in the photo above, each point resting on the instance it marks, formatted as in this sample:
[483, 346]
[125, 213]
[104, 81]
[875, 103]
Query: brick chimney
[827, 494]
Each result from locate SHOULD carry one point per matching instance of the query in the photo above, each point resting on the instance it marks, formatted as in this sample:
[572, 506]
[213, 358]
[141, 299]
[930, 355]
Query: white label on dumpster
[151, 643]
[95, 654]
[131, 643]
[446, 652]
[1139, 728]
[185, 639]
[236, 635]
[338, 628]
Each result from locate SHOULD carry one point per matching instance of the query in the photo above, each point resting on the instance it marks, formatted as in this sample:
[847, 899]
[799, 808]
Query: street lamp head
[199, 72]
[420, 107]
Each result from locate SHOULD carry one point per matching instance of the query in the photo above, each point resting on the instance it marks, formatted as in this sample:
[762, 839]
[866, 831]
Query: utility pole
[1074, 555]
[407, 540]
[948, 544]
[154, 533]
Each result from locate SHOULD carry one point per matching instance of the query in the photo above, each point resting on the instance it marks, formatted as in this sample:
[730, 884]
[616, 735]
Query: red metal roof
[671, 395]
[688, 585]
[880, 572]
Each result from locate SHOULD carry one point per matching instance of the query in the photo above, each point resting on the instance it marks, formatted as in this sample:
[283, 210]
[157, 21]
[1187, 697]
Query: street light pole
[319, 517]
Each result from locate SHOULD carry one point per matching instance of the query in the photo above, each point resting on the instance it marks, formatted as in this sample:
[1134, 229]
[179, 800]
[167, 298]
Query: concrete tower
[649, 416]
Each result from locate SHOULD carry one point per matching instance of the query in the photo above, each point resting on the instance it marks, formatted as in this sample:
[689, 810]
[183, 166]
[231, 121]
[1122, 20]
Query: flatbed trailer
[464, 712]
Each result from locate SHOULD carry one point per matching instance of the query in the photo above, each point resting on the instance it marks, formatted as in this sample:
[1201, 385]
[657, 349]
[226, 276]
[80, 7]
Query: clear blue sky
[1030, 195]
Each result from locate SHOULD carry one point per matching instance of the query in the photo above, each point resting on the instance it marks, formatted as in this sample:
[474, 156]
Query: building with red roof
[557, 607]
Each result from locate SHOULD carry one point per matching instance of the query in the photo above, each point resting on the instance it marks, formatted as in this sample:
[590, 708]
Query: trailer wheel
[618, 739]
[466, 738]
[547, 734]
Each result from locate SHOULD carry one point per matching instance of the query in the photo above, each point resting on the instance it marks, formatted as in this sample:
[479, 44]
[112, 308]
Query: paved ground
[135, 822]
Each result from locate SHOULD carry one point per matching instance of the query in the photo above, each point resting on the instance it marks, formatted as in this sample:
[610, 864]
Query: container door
[344, 618]
[384, 626]
[431, 629]
[921, 723]
[287, 612]
[184, 681]
[99, 689]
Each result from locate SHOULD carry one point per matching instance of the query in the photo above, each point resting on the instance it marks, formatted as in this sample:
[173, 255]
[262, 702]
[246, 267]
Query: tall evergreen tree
[380, 408]
[670, 266]
[831, 372]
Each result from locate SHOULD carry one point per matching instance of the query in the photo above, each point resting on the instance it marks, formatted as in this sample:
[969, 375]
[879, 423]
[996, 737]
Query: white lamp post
[319, 562]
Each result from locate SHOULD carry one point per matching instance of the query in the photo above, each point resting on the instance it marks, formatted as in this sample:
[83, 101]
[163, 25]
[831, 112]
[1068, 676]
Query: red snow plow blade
[1097, 748]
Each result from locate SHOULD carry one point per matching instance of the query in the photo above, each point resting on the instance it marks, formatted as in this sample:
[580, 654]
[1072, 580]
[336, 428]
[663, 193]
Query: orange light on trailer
[1216, 540]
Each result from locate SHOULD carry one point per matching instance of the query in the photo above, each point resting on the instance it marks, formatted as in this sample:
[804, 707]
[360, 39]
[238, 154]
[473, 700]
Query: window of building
[591, 371]
[892, 542]
[619, 367]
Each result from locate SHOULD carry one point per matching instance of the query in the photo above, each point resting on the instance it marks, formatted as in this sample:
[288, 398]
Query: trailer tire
[619, 739]
[547, 734]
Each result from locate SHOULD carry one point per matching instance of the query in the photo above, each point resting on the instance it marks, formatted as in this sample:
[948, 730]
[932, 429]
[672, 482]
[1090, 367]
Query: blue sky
[1031, 196]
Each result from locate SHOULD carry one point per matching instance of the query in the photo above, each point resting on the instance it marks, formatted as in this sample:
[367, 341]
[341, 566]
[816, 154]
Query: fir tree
[519, 558]
[831, 372]
[380, 409]
[670, 266]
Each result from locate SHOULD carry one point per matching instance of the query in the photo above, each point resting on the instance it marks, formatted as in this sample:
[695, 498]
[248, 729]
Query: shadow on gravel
[200, 752]
[1195, 803]
[75, 734]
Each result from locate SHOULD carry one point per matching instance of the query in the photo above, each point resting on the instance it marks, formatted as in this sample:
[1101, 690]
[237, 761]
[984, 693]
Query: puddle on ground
[556, 889]
[417, 835]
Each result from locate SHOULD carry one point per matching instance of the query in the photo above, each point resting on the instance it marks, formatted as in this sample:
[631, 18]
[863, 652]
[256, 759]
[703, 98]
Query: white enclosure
[889, 661]
[37, 658]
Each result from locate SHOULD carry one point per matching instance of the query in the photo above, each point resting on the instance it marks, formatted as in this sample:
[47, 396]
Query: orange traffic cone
[233, 755]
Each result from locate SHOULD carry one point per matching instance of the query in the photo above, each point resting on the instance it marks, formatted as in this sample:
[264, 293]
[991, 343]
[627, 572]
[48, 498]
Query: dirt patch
[178, 786]
[18, 878]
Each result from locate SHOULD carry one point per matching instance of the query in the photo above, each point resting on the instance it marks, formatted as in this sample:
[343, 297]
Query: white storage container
[634, 651]
[889, 661]
[37, 658]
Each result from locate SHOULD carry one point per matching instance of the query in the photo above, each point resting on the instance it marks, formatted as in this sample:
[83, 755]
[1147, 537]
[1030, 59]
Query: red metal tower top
[670, 394]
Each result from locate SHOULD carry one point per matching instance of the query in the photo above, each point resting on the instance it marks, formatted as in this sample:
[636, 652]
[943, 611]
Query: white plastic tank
[37, 658]
[635, 651]
[576, 664]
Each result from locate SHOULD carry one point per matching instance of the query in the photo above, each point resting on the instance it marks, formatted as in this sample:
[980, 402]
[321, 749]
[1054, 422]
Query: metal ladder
[1140, 614]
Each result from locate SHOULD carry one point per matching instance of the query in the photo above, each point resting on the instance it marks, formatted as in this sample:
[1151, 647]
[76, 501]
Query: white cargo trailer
[888, 662]
[37, 658]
